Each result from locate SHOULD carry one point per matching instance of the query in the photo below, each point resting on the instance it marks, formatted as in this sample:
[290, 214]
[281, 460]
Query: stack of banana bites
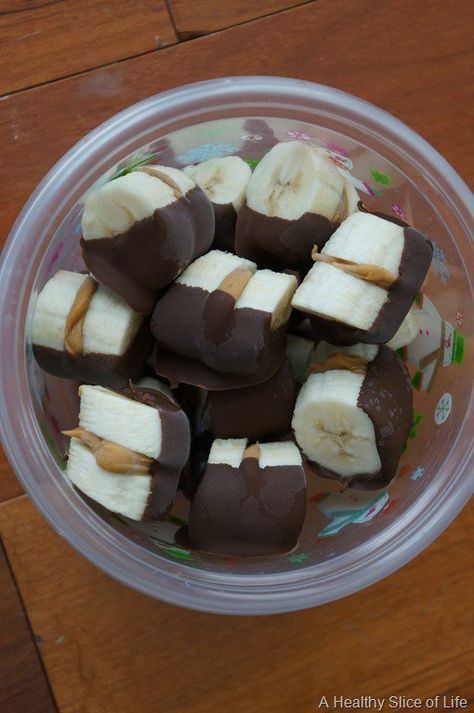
[236, 331]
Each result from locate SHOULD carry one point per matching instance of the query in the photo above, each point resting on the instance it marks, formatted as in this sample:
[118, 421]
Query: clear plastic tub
[351, 540]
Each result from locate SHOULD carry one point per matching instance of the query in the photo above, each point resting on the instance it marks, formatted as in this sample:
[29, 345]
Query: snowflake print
[418, 473]
[381, 178]
[459, 318]
[298, 558]
[439, 265]
[398, 211]
[299, 135]
[251, 137]
[443, 409]
[206, 151]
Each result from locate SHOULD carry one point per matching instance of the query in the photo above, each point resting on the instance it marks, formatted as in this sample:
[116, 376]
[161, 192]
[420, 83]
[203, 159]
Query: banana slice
[82, 330]
[224, 181]
[353, 414]
[295, 199]
[364, 280]
[251, 500]
[406, 332]
[140, 231]
[222, 324]
[129, 449]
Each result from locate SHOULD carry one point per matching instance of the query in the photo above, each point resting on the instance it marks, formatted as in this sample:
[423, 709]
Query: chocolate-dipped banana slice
[251, 501]
[257, 412]
[298, 351]
[141, 230]
[353, 414]
[406, 332]
[364, 280]
[296, 198]
[222, 324]
[84, 331]
[224, 180]
[129, 449]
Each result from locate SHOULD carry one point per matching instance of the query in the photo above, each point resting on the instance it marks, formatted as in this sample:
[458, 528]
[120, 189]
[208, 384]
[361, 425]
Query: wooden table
[71, 638]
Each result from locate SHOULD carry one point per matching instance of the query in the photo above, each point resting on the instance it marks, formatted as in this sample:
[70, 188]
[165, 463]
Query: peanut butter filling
[73, 331]
[252, 451]
[234, 283]
[369, 273]
[112, 457]
[348, 362]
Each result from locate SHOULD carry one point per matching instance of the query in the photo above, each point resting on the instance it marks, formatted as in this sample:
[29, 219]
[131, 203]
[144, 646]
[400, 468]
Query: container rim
[179, 584]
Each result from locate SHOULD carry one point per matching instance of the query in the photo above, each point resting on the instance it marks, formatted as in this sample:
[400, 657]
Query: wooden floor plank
[9, 485]
[193, 19]
[44, 41]
[423, 79]
[107, 648]
[23, 682]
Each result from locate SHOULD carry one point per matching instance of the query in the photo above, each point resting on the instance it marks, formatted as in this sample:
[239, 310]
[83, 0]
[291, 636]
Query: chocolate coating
[106, 370]
[224, 232]
[414, 265]
[248, 511]
[176, 442]
[219, 347]
[256, 412]
[386, 397]
[137, 264]
[278, 243]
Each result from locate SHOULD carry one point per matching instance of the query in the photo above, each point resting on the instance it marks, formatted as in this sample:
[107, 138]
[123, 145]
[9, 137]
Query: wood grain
[423, 79]
[9, 485]
[107, 648]
[47, 40]
[23, 683]
[193, 19]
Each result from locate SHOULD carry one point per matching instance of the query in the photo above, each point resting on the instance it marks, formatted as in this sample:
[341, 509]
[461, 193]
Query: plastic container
[351, 540]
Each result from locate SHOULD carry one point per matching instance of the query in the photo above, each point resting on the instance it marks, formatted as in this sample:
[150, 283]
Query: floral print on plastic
[206, 151]
[298, 135]
[459, 318]
[251, 137]
[439, 264]
[398, 211]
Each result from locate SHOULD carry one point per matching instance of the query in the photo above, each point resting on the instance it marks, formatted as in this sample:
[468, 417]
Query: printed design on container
[443, 409]
[382, 178]
[437, 345]
[350, 508]
[163, 535]
[418, 473]
[414, 429]
[399, 211]
[439, 264]
[54, 257]
[298, 135]
[132, 164]
[459, 318]
[252, 137]
[298, 557]
[206, 151]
